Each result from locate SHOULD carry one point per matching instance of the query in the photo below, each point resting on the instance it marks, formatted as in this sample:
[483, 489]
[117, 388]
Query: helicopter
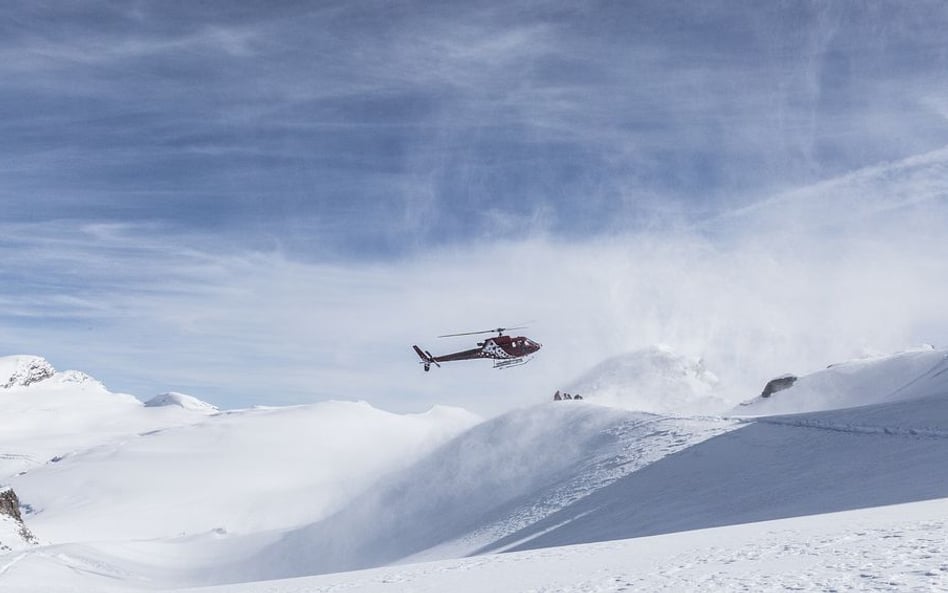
[506, 351]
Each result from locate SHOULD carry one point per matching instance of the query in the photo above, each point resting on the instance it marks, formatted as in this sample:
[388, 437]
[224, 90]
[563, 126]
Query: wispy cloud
[440, 118]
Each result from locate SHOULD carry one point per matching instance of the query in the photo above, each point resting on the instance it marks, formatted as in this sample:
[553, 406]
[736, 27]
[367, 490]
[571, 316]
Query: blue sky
[193, 189]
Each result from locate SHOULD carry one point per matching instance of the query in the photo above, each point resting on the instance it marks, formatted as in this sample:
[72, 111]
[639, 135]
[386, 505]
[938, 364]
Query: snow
[182, 400]
[10, 538]
[833, 484]
[905, 375]
[895, 548]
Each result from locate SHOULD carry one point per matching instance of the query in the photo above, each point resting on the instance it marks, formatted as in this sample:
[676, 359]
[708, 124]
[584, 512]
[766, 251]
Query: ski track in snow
[10, 561]
[854, 428]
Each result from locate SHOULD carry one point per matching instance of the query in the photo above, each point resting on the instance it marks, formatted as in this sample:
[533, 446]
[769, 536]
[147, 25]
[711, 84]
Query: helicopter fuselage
[506, 350]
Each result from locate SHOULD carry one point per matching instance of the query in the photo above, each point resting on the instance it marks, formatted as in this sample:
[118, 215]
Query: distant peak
[182, 400]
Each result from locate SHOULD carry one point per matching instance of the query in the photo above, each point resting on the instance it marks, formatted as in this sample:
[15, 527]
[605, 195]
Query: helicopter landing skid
[510, 362]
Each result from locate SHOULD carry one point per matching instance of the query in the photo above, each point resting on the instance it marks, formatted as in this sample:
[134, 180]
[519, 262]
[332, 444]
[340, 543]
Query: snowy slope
[897, 548]
[864, 455]
[495, 480]
[906, 375]
[773, 469]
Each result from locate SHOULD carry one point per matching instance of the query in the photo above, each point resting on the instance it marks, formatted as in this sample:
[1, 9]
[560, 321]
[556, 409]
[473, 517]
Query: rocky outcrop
[11, 523]
[778, 384]
[24, 370]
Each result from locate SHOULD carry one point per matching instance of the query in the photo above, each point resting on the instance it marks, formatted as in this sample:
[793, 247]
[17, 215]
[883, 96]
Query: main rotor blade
[486, 331]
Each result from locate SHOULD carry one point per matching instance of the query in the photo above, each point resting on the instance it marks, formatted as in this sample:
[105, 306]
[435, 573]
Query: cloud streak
[414, 126]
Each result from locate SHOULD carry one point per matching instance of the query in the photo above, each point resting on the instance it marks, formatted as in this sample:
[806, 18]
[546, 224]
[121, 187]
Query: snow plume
[652, 380]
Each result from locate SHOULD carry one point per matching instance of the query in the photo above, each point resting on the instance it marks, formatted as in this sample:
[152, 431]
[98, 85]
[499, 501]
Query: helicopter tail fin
[426, 358]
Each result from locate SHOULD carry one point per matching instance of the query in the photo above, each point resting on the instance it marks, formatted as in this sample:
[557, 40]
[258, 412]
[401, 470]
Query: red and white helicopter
[506, 351]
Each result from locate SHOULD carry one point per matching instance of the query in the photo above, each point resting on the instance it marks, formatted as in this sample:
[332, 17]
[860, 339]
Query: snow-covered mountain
[49, 414]
[206, 497]
[182, 400]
